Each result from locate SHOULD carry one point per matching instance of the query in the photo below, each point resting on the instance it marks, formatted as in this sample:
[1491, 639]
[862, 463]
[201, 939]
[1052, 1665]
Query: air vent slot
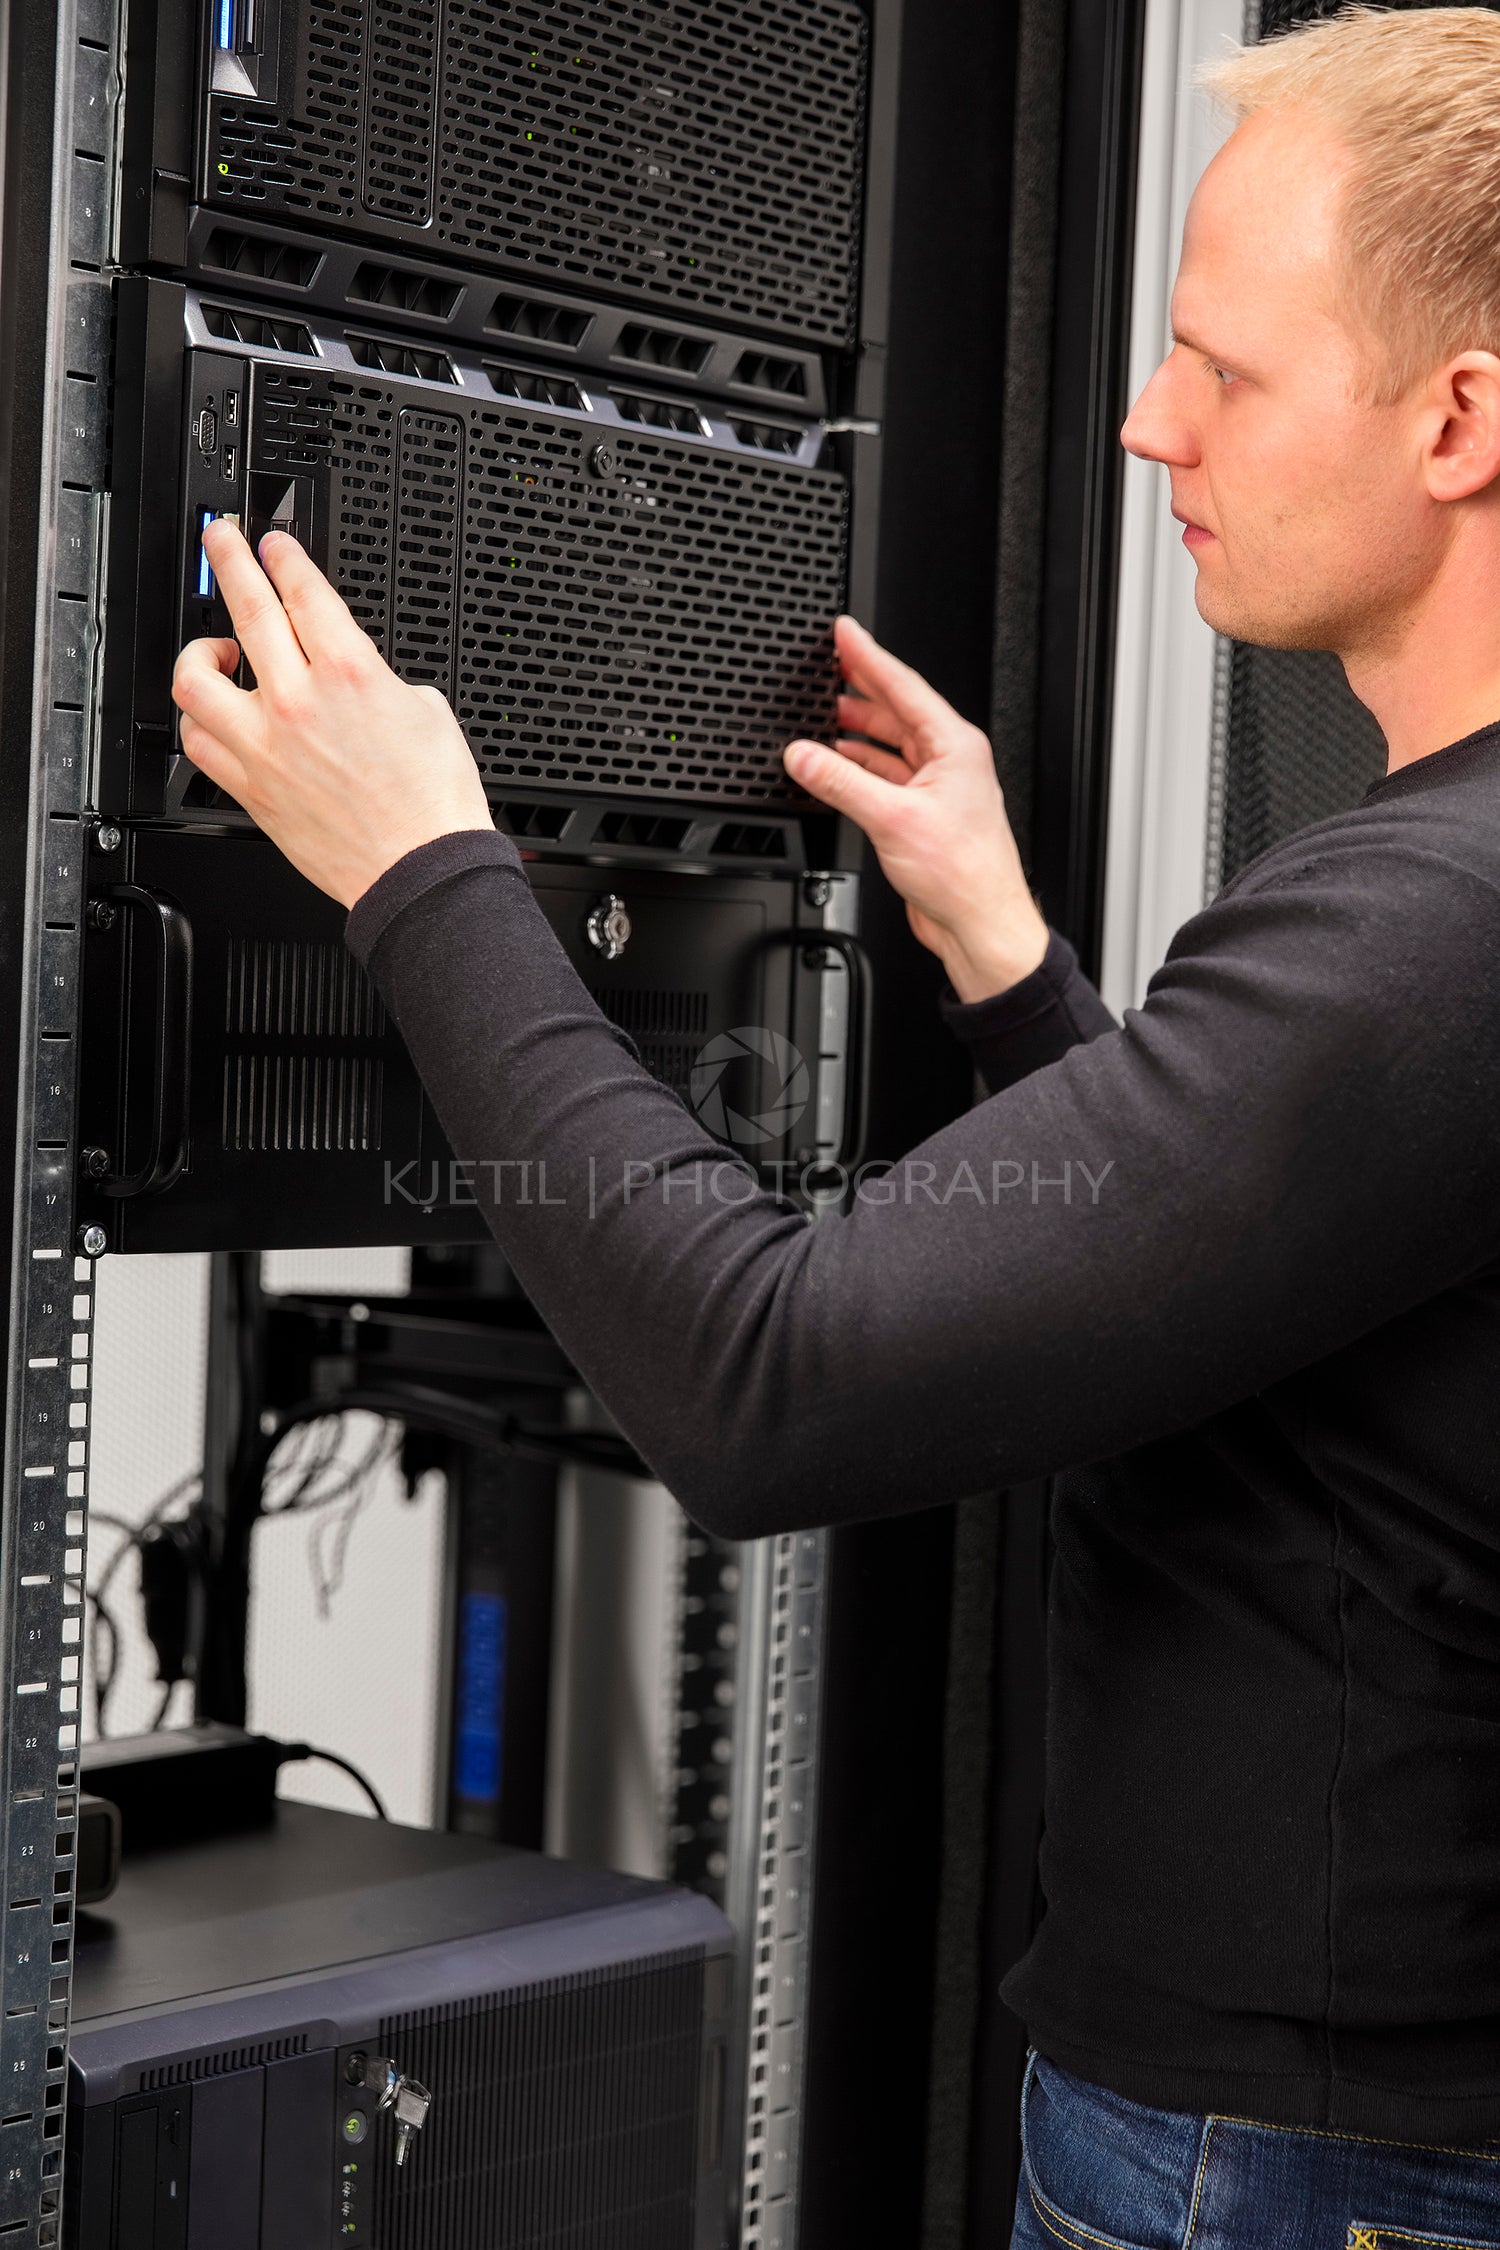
[747, 839]
[392, 358]
[396, 145]
[659, 413]
[405, 291]
[229, 251]
[545, 324]
[196, 2067]
[662, 347]
[237, 327]
[769, 437]
[544, 821]
[532, 384]
[302, 1070]
[656, 832]
[667, 1026]
[764, 371]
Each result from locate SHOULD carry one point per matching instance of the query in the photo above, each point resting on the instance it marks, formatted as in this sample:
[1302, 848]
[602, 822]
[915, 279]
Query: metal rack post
[61, 101]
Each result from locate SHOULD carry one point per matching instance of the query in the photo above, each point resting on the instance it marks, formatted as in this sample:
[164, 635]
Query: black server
[555, 334]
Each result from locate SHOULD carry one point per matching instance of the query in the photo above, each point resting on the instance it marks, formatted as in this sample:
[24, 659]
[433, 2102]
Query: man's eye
[1223, 375]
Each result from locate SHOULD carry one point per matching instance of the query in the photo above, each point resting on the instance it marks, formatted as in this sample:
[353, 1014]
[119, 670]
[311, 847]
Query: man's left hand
[343, 765]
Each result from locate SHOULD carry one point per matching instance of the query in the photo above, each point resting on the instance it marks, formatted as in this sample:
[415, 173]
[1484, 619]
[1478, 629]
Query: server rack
[269, 274]
[121, 844]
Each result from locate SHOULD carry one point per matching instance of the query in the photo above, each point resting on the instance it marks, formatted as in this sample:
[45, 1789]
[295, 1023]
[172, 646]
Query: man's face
[1303, 502]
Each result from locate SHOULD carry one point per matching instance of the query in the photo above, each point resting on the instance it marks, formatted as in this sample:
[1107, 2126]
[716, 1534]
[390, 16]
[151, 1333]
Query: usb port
[231, 461]
[231, 410]
[235, 26]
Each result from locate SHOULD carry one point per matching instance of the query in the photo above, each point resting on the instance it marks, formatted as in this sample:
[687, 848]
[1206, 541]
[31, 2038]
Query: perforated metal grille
[401, 108]
[1294, 746]
[662, 628]
[429, 498]
[668, 1029]
[301, 1025]
[705, 153]
[562, 2117]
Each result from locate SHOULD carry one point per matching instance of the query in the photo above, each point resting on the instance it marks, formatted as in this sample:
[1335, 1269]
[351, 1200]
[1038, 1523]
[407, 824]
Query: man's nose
[1156, 429]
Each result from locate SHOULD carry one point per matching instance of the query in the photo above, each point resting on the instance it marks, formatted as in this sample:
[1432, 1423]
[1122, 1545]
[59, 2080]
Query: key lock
[406, 2101]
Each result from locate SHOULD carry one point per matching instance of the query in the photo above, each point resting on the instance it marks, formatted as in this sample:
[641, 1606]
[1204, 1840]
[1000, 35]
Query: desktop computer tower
[569, 2025]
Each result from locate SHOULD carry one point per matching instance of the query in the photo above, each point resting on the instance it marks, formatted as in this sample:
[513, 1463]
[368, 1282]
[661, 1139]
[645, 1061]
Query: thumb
[836, 781]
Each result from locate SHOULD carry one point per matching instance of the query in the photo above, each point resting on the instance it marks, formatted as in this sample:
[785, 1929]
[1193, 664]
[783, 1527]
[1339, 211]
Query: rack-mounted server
[676, 153]
[244, 1087]
[624, 593]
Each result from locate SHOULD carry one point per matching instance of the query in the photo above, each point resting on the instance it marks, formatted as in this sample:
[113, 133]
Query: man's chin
[1240, 617]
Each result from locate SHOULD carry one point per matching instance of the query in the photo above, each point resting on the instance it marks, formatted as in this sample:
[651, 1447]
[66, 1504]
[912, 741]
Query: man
[1240, 1258]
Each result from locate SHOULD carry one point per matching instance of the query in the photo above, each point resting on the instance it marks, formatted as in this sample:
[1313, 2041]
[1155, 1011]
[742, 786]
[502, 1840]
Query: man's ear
[1463, 455]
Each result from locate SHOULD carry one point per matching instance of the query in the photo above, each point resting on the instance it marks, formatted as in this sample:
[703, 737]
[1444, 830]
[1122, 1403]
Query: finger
[320, 616]
[836, 781]
[264, 629]
[860, 714]
[226, 656]
[886, 763]
[884, 678]
[212, 759]
[200, 691]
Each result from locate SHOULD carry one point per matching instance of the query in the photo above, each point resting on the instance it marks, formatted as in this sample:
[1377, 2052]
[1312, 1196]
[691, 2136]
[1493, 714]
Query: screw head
[108, 838]
[817, 890]
[608, 926]
[103, 916]
[94, 1163]
[602, 461]
[93, 1241]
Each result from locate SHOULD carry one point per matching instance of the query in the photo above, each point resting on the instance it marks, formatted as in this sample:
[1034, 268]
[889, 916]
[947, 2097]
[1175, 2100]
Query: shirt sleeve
[1288, 1144]
[1032, 1023]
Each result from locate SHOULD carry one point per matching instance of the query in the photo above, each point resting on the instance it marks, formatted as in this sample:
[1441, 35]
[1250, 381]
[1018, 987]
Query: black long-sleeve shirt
[1234, 1267]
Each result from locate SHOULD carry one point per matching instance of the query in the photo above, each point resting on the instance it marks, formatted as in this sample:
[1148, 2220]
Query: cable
[470, 1422]
[297, 1751]
[105, 1675]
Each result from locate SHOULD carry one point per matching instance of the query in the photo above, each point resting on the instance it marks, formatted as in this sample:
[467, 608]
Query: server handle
[855, 1122]
[856, 1118]
[166, 1155]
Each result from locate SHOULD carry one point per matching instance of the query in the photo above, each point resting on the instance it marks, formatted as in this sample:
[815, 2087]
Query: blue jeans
[1102, 2173]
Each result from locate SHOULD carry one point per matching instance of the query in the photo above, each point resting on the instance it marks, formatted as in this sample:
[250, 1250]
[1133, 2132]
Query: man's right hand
[931, 805]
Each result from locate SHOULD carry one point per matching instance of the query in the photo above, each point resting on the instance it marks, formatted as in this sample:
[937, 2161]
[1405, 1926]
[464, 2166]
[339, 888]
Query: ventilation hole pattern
[666, 631]
[563, 2116]
[1297, 745]
[429, 495]
[299, 1103]
[297, 1016]
[401, 102]
[285, 988]
[668, 1029]
[532, 383]
[236, 326]
[700, 153]
[218, 2065]
[293, 421]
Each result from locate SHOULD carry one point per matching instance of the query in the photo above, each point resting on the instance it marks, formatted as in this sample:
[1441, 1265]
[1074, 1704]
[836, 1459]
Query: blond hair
[1415, 98]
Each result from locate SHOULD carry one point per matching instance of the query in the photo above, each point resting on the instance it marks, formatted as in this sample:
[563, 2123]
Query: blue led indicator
[480, 1717]
[206, 587]
[226, 23]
